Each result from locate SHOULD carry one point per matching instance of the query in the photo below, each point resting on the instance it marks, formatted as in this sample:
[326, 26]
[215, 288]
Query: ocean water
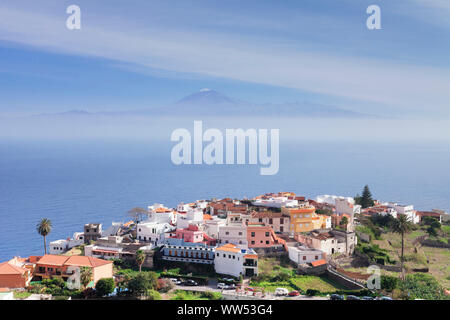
[76, 182]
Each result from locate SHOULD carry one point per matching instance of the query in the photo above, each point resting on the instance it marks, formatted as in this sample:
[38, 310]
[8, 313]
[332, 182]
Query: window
[240, 233]
[267, 234]
[227, 233]
[253, 234]
[224, 255]
[267, 242]
[270, 221]
[260, 220]
[316, 257]
[253, 242]
[281, 229]
[304, 257]
[229, 256]
[281, 221]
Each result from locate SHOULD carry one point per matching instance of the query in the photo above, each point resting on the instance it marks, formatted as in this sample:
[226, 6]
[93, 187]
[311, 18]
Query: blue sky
[139, 54]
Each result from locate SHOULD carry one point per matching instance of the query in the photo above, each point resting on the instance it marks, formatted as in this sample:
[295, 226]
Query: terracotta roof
[53, 260]
[7, 268]
[79, 261]
[251, 256]
[318, 263]
[83, 261]
[229, 247]
[207, 217]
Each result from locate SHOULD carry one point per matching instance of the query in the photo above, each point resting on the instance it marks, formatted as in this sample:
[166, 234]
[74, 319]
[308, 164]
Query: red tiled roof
[8, 268]
[318, 263]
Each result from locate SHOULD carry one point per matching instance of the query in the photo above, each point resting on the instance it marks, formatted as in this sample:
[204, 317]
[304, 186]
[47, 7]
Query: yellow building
[305, 219]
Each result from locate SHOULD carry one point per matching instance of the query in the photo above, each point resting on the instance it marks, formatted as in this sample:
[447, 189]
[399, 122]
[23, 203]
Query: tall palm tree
[402, 225]
[43, 228]
[140, 258]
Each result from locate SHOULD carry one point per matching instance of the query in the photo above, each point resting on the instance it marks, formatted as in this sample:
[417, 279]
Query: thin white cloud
[238, 57]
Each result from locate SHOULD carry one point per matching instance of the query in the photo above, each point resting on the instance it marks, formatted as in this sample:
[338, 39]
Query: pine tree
[366, 198]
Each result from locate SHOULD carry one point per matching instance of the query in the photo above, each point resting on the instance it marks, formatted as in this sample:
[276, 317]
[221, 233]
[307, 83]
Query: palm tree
[140, 258]
[85, 276]
[43, 228]
[401, 226]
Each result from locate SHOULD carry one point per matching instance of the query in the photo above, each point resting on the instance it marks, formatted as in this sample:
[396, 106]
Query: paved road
[269, 296]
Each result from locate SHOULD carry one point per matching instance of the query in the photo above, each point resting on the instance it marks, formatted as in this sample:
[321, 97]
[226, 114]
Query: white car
[281, 292]
[221, 285]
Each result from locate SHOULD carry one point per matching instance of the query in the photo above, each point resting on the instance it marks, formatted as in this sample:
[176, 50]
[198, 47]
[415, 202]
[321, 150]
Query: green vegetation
[366, 199]
[421, 286]
[374, 253]
[43, 228]
[402, 226]
[190, 295]
[141, 284]
[105, 287]
[140, 259]
[21, 294]
[323, 284]
[55, 287]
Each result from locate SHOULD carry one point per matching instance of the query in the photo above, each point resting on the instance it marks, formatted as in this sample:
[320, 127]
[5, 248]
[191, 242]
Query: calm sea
[73, 183]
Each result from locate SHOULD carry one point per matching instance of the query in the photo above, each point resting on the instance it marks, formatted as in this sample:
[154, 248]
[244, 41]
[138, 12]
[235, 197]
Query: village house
[305, 219]
[302, 254]
[231, 260]
[16, 273]
[234, 231]
[224, 206]
[279, 221]
[189, 245]
[61, 246]
[260, 236]
[92, 231]
[50, 266]
[329, 241]
[433, 214]
[192, 216]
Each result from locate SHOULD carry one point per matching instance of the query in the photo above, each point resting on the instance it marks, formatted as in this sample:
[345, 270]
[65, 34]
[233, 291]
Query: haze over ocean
[77, 182]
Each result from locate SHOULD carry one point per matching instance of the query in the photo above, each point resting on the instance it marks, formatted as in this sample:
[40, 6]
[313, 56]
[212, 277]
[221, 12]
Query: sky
[140, 54]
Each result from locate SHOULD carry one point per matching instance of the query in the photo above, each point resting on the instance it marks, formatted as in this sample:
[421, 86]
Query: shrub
[141, 283]
[165, 285]
[105, 287]
[312, 292]
[153, 295]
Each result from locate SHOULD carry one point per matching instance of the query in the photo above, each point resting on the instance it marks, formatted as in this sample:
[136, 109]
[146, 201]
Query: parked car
[190, 283]
[221, 285]
[384, 298]
[351, 297]
[176, 281]
[230, 286]
[336, 297]
[281, 292]
[294, 293]
[367, 298]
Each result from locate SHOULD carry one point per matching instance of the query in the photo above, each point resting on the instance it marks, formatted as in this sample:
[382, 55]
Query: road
[269, 296]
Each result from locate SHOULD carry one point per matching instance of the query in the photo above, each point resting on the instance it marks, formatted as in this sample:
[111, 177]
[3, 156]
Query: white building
[276, 202]
[302, 254]
[212, 226]
[234, 232]
[234, 261]
[61, 246]
[160, 213]
[153, 231]
[113, 230]
[192, 216]
[407, 210]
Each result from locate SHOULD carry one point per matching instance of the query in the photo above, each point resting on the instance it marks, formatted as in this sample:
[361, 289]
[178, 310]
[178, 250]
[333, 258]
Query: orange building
[16, 273]
[64, 266]
[262, 236]
[305, 219]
